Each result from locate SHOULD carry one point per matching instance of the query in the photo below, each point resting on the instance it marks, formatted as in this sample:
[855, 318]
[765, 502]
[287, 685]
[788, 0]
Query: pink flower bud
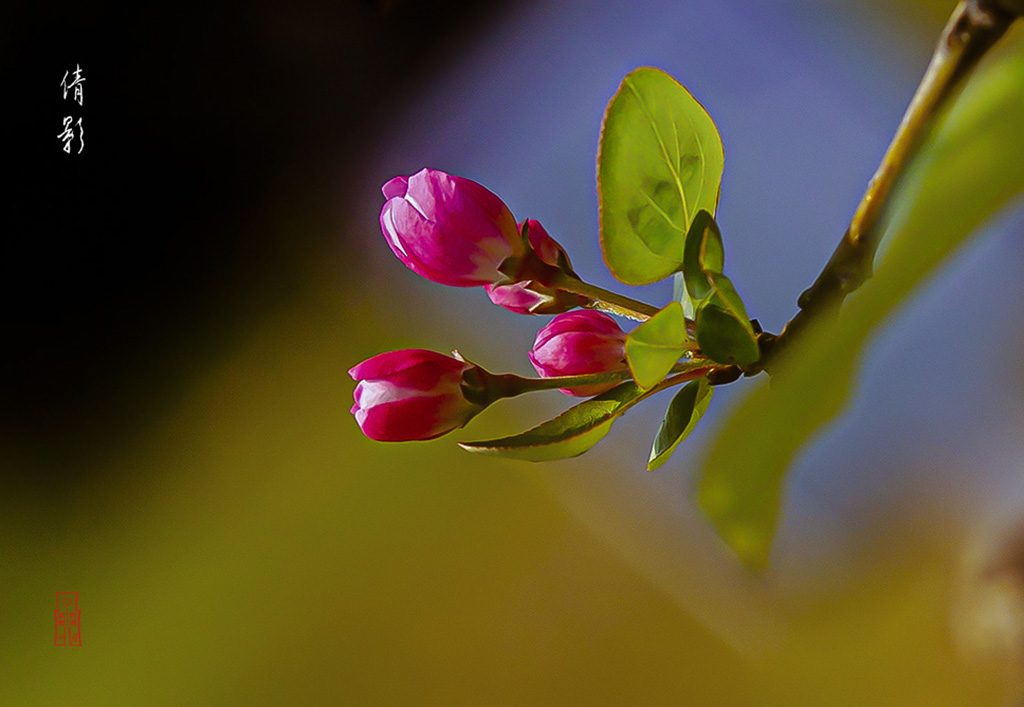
[411, 394]
[449, 229]
[577, 343]
[546, 247]
[533, 294]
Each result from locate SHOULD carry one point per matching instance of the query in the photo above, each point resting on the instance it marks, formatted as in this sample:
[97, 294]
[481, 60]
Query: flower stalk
[510, 385]
[606, 300]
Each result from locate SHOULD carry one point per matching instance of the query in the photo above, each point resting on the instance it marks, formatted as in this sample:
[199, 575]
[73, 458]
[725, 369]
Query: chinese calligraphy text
[75, 86]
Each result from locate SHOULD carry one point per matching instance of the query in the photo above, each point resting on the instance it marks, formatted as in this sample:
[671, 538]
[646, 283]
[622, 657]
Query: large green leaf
[659, 162]
[655, 346]
[683, 414]
[570, 434]
[969, 168]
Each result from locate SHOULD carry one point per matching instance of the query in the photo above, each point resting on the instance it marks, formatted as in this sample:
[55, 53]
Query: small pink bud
[449, 229]
[533, 294]
[578, 343]
[546, 247]
[411, 394]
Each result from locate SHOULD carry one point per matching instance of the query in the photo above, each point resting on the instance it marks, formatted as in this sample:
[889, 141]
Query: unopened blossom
[578, 343]
[411, 394]
[449, 229]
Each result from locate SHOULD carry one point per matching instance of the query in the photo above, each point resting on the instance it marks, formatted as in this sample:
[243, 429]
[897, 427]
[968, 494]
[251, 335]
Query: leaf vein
[664, 151]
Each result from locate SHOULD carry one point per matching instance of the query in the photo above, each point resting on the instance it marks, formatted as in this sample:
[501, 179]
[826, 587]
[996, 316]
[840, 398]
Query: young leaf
[702, 254]
[655, 346]
[659, 162]
[570, 434]
[724, 332]
[683, 414]
[679, 294]
[970, 167]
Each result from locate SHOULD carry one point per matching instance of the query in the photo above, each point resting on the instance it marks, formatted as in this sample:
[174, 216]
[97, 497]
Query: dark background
[122, 263]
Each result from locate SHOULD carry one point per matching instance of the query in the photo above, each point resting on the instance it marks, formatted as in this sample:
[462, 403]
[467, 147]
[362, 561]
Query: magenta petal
[578, 343]
[539, 366]
[585, 320]
[390, 364]
[515, 297]
[395, 188]
[407, 420]
[410, 394]
[546, 247]
[449, 229]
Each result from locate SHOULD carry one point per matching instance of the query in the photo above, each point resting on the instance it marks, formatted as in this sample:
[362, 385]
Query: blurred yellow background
[252, 547]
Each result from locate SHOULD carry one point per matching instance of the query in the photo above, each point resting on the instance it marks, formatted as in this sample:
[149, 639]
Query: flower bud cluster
[454, 231]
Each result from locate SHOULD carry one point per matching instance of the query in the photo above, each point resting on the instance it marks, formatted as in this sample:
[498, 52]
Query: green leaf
[724, 332]
[969, 168]
[656, 345]
[723, 328]
[659, 162]
[683, 414]
[570, 434]
[679, 294]
[702, 254]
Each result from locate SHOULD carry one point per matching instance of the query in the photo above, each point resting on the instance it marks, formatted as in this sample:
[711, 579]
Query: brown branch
[974, 27]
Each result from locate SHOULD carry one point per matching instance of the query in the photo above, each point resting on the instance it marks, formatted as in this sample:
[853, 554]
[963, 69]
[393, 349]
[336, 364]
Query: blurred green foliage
[970, 167]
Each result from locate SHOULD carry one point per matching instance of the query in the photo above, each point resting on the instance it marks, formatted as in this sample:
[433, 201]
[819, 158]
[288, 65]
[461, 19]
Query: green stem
[509, 385]
[671, 381]
[605, 300]
[973, 28]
